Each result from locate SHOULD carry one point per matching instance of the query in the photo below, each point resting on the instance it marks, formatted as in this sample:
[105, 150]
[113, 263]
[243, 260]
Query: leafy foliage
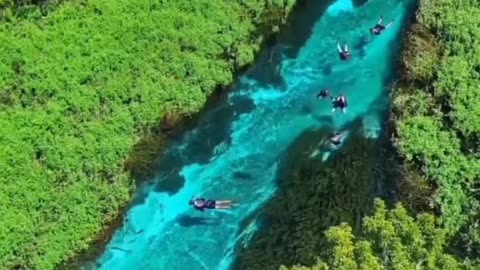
[78, 86]
[390, 239]
[437, 109]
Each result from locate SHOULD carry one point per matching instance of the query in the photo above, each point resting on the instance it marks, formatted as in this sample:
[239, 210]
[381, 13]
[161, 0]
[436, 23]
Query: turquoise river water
[235, 149]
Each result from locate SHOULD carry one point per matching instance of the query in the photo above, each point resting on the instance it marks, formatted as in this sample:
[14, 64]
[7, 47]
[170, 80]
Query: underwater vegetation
[312, 196]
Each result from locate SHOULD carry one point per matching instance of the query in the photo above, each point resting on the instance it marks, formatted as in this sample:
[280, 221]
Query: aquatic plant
[313, 195]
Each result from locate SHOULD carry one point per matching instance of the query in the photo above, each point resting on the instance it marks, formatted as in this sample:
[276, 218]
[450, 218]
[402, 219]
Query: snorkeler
[336, 138]
[379, 27]
[202, 204]
[344, 53]
[323, 94]
[340, 103]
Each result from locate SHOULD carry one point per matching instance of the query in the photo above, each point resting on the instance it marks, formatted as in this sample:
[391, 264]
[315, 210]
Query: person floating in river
[323, 94]
[340, 103]
[336, 138]
[379, 27]
[343, 53]
[202, 204]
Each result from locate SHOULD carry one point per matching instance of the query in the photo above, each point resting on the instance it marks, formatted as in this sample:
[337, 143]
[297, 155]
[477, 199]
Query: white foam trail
[340, 6]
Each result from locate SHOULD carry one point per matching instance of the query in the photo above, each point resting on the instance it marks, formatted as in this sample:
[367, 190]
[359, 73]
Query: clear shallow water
[234, 152]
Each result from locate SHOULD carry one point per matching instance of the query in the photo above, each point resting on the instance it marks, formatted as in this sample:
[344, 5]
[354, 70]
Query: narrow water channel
[235, 150]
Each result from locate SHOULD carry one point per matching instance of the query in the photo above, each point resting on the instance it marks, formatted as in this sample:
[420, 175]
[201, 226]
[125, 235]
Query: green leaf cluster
[389, 239]
[78, 84]
[437, 108]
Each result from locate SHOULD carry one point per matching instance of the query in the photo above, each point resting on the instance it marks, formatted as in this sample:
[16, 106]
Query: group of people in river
[345, 54]
[338, 103]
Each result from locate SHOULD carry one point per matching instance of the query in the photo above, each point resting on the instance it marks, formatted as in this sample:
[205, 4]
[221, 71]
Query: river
[235, 150]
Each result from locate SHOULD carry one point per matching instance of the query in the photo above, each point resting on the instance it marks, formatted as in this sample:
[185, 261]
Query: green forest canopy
[77, 87]
[391, 239]
[438, 118]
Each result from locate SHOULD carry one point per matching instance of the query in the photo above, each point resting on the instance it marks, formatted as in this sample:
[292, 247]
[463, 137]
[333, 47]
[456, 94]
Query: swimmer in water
[379, 27]
[323, 94]
[336, 138]
[202, 204]
[343, 53]
[340, 103]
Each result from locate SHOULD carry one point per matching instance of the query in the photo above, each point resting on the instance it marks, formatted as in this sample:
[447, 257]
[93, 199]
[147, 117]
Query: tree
[437, 115]
[390, 239]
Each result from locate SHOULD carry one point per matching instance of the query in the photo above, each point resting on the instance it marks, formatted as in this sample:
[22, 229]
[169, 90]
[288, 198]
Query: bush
[438, 120]
[390, 239]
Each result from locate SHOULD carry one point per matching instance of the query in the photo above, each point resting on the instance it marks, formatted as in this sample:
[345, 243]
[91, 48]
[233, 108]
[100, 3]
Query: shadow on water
[358, 3]
[188, 221]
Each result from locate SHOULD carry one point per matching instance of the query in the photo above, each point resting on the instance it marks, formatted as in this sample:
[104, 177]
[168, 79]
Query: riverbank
[76, 100]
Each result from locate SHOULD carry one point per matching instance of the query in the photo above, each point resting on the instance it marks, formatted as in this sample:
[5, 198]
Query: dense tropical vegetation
[390, 239]
[80, 83]
[436, 111]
